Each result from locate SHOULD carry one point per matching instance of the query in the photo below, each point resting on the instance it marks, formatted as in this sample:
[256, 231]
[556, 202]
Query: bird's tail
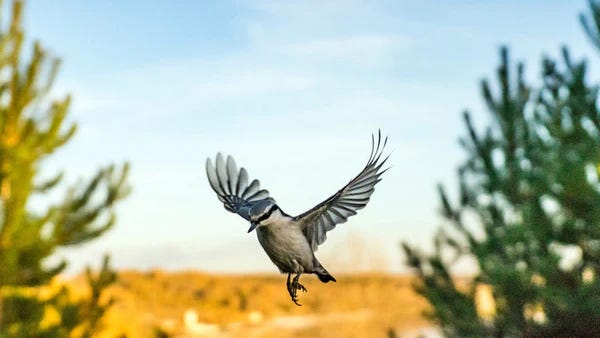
[323, 275]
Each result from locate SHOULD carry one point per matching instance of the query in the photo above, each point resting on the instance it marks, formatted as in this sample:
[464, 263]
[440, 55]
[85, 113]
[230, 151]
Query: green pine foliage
[527, 210]
[32, 127]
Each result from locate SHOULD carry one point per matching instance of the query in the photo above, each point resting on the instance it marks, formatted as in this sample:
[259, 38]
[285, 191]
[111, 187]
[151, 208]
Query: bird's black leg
[291, 290]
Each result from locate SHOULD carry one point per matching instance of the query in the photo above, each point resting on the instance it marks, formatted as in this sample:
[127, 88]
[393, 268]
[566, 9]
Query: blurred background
[293, 91]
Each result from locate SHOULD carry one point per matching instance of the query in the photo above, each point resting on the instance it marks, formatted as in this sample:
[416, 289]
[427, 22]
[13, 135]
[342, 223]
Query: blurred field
[194, 304]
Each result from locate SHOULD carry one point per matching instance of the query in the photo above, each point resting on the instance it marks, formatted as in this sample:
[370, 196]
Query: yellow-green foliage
[32, 127]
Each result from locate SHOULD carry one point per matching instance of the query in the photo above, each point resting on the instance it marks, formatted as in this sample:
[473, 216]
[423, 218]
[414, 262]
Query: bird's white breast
[285, 243]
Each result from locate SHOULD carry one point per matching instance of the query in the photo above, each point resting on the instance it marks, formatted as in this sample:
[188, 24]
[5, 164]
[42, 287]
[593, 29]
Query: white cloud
[303, 10]
[251, 83]
[367, 50]
[157, 90]
[345, 32]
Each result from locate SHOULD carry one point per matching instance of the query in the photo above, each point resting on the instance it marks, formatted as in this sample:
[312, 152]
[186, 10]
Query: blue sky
[292, 89]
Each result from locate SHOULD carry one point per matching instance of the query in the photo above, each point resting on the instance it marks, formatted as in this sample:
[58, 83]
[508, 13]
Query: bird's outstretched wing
[232, 186]
[343, 204]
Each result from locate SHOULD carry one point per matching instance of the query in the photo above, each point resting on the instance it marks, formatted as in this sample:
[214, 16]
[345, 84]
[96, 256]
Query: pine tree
[32, 127]
[527, 211]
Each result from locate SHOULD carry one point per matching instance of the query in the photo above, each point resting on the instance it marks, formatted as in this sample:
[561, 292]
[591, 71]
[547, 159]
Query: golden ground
[195, 304]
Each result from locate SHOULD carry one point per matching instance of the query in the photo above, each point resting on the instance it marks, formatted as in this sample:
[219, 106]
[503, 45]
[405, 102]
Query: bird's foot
[300, 287]
[293, 288]
[294, 294]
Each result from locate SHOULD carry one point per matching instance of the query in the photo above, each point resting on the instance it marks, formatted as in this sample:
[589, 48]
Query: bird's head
[261, 212]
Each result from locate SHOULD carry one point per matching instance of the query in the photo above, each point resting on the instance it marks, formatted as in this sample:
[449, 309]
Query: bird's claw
[295, 300]
[294, 294]
[293, 287]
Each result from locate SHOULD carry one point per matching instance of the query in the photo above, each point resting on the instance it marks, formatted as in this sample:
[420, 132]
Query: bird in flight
[290, 241]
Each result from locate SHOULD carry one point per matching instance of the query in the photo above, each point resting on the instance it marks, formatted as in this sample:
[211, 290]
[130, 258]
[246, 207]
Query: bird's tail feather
[323, 275]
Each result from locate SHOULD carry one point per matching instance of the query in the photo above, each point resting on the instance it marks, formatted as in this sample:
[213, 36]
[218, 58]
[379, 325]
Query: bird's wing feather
[232, 186]
[317, 221]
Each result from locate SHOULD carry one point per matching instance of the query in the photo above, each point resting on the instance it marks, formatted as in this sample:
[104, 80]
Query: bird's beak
[253, 226]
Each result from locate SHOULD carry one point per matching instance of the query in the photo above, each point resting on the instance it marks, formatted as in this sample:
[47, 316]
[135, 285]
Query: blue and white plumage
[290, 241]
